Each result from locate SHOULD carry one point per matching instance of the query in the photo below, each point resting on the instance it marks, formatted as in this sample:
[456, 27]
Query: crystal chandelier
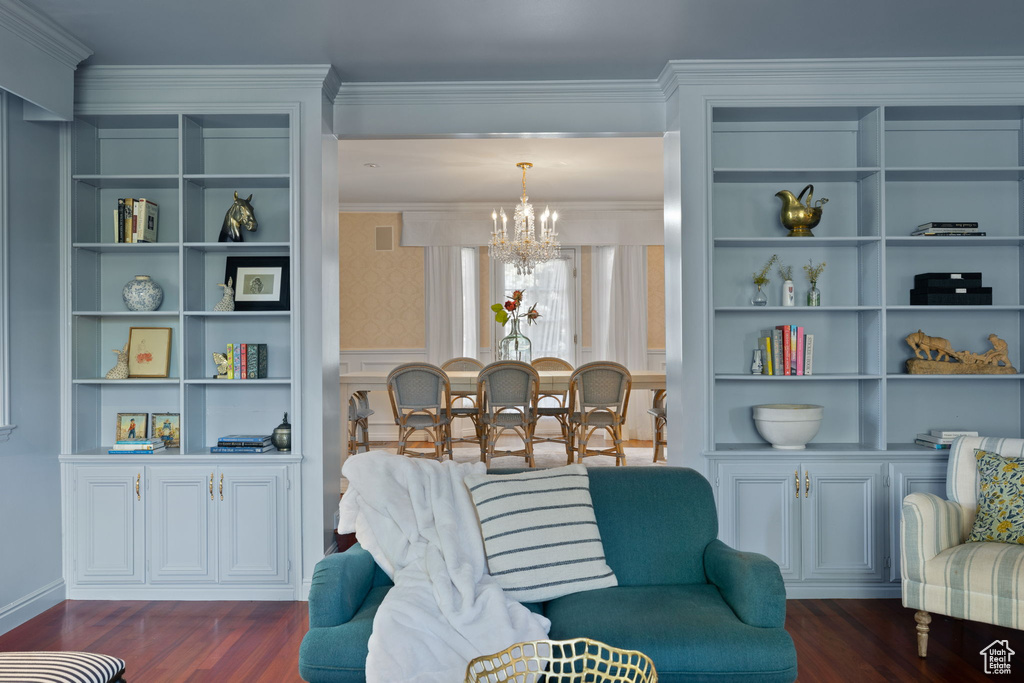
[526, 248]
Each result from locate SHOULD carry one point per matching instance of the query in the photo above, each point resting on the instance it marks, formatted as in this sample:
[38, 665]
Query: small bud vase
[759, 298]
[788, 294]
[814, 295]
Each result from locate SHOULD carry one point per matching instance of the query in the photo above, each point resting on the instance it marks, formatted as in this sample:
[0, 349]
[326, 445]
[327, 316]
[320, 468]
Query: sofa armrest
[750, 583]
[341, 582]
[928, 525]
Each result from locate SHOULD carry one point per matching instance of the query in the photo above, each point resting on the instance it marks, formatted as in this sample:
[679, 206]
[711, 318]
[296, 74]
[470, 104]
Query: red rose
[517, 295]
[511, 305]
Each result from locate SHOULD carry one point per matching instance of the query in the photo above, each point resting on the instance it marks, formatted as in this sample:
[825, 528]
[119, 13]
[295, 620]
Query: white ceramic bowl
[788, 425]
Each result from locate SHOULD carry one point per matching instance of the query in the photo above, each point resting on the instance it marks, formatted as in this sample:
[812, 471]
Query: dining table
[551, 382]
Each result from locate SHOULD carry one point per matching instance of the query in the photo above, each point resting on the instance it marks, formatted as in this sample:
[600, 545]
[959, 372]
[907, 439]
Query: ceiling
[484, 170]
[451, 40]
[456, 40]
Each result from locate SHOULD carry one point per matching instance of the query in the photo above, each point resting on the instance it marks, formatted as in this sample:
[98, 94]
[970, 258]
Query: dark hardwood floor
[224, 642]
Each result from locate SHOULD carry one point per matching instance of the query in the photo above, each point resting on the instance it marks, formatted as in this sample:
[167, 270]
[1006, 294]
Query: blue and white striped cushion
[540, 534]
[59, 667]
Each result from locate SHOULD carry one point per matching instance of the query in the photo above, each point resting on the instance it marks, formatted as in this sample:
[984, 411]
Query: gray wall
[30, 501]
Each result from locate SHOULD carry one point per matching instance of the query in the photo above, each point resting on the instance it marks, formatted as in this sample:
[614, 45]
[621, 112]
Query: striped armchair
[943, 574]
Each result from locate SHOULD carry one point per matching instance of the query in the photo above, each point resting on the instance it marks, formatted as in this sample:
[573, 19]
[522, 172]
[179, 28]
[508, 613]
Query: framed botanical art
[167, 428]
[149, 351]
[130, 426]
[261, 282]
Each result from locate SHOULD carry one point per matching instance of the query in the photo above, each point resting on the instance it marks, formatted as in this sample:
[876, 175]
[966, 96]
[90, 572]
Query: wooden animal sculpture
[240, 215]
[227, 302]
[120, 370]
[922, 343]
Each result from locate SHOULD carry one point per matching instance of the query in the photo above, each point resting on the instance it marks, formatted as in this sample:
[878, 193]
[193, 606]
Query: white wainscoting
[382, 422]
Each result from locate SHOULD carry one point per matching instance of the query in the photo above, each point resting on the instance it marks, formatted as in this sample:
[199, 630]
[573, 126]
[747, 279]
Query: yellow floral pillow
[1000, 499]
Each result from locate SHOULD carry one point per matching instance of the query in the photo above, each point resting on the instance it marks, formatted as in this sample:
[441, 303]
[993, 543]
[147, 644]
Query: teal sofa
[701, 610]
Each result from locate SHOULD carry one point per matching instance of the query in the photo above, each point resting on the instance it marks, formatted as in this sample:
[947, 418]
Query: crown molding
[39, 30]
[332, 84]
[261, 77]
[844, 71]
[485, 208]
[501, 92]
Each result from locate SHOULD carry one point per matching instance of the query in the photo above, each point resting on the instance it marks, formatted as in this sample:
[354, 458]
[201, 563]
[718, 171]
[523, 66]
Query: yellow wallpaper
[656, 297]
[381, 291]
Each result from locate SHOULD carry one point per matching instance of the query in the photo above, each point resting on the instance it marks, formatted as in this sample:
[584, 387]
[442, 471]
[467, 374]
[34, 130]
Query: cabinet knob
[138, 478]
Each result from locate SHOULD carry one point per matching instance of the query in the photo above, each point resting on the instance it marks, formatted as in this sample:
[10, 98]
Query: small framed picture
[149, 351]
[131, 426]
[167, 427]
[261, 282]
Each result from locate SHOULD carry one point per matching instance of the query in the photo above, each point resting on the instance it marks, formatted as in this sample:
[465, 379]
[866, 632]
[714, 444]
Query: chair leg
[923, 619]
[403, 434]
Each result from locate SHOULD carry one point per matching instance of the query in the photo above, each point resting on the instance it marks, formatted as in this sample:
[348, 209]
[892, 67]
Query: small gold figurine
[223, 364]
[799, 218]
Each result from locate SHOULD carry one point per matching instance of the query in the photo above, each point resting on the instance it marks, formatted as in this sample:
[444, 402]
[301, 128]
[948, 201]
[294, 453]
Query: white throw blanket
[417, 520]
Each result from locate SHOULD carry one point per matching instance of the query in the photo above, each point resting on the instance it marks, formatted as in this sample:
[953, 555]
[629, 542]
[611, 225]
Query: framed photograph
[131, 426]
[261, 282]
[149, 351]
[167, 426]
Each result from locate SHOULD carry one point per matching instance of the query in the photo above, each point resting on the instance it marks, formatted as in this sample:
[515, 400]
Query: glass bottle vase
[759, 298]
[814, 295]
[515, 345]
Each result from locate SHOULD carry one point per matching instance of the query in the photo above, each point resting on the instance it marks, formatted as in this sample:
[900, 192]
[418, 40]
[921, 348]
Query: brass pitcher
[799, 218]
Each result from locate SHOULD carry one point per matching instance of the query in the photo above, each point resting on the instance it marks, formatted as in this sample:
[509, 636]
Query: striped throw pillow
[540, 534]
[60, 667]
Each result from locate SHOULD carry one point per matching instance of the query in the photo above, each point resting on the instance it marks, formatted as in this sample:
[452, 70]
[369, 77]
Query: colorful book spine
[764, 342]
[777, 368]
[928, 444]
[243, 361]
[231, 365]
[792, 348]
[787, 360]
[236, 357]
[252, 363]
[261, 361]
[120, 220]
[240, 449]
[800, 350]
[951, 433]
[808, 354]
[146, 215]
[135, 452]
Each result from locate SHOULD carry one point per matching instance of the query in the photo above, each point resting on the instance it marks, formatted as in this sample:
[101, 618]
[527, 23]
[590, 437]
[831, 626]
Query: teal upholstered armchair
[699, 609]
[944, 574]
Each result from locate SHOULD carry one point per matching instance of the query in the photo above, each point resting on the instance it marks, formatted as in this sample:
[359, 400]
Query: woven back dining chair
[464, 402]
[598, 399]
[359, 412]
[507, 393]
[555, 405]
[421, 400]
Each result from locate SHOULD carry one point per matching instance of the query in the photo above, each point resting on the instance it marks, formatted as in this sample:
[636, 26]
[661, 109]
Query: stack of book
[138, 446]
[947, 229]
[248, 361]
[135, 220]
[243, 443]
[787, 350]
[941, 438]
[949, 289]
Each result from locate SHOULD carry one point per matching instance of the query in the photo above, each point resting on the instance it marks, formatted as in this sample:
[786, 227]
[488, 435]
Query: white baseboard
[32, 605]
[851, 590]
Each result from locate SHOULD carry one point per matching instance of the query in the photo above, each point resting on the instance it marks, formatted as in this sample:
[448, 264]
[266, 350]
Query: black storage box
[962, 296]
[947, 280]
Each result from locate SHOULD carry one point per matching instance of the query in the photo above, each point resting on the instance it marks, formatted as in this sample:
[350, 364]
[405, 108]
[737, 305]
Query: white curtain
[619, 314]
[443, 303]
[470, 302]
[551, 287]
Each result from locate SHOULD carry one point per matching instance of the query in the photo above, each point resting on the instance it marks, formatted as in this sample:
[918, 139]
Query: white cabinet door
[109, 525]
[759, 511]
[904, 479]
[252, 540]
[181, 501]
[843, 521]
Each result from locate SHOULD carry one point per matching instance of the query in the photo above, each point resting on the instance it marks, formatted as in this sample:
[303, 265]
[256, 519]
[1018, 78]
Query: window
[554, 287]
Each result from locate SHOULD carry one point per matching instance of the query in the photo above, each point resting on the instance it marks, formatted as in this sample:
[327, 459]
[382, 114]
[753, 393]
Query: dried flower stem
[814, 271]
[761, 278]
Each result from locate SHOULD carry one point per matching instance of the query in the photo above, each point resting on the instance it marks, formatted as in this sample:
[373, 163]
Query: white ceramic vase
[142, 294]
[788, 293]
